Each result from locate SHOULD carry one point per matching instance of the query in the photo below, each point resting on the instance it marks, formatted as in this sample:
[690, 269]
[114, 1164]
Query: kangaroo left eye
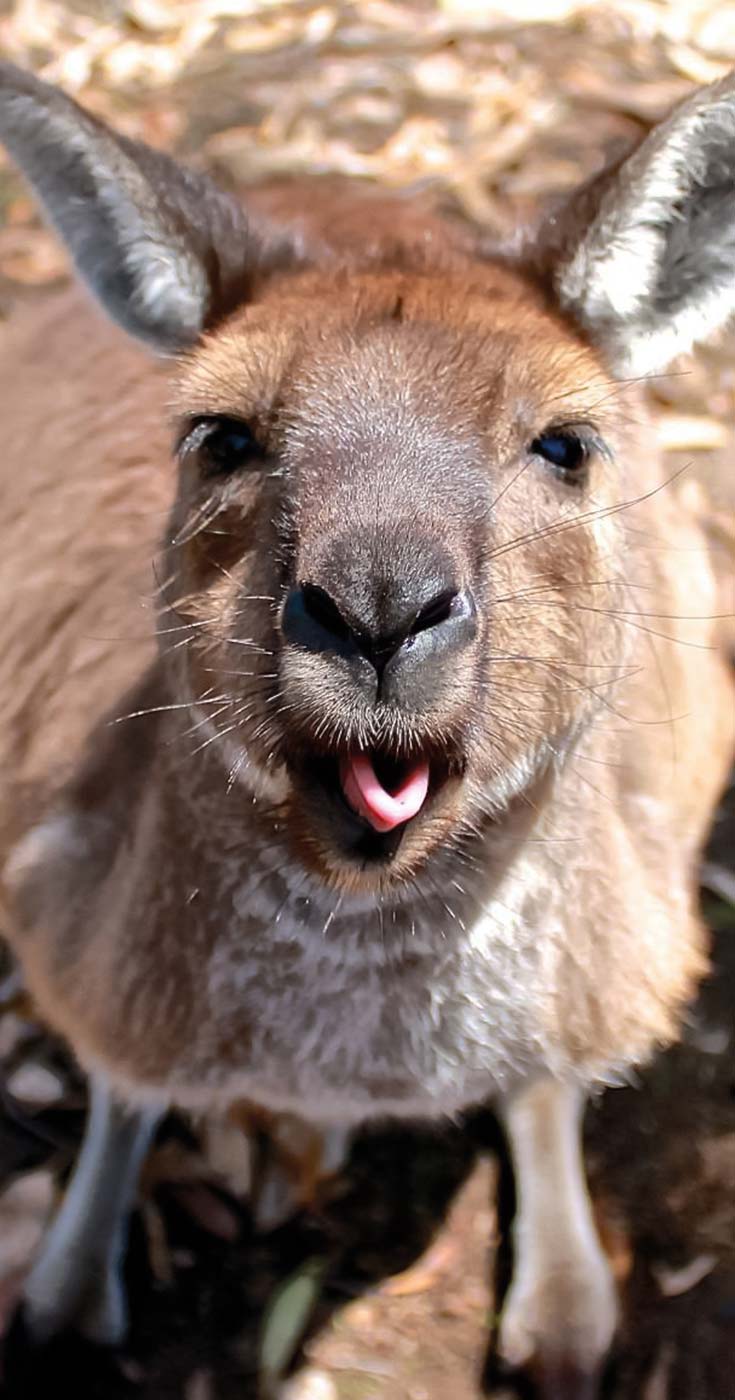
[222, 445]
[564, 451]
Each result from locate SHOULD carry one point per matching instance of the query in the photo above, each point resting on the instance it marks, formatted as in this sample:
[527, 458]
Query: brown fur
[79, 632]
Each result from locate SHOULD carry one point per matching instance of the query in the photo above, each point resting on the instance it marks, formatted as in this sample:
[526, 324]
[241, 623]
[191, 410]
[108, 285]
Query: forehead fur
[465, 341]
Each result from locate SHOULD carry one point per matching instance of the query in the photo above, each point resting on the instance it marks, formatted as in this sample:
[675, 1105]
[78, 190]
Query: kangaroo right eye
[223, 445]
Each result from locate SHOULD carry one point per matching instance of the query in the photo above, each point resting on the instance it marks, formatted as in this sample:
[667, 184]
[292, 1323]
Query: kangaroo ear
[644, 257]
[163, 249]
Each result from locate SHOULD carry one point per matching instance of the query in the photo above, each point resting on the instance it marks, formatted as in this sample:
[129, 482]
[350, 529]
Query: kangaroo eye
[563, 450]
[223, 445]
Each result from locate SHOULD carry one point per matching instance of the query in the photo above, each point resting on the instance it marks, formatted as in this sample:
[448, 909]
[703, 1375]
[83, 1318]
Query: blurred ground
[499, 106]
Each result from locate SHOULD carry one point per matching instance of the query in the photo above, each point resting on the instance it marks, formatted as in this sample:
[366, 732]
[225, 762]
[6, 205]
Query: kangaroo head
[398, 549]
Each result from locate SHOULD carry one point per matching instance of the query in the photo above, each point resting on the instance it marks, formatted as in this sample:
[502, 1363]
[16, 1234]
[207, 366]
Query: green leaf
[287, 1318]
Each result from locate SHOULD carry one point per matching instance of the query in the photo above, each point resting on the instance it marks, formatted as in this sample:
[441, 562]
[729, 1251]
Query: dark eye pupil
[233, 444]
[229, 445]
[563, 450]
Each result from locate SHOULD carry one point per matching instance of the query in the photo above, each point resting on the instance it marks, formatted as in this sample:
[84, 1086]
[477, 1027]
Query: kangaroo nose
[430, 624]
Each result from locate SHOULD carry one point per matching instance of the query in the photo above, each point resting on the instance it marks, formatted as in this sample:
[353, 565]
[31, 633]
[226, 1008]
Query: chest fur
[375, 1010]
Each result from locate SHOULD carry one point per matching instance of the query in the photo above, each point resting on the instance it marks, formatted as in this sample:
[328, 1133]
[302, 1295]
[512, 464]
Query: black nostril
[312, 620]
[438, 610]
[323, 610]
[421, 668]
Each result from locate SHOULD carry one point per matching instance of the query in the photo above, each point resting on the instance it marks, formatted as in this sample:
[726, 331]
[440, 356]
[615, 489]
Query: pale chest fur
[372, 1011]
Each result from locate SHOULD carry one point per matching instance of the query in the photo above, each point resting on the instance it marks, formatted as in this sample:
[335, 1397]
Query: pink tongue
[366, 795]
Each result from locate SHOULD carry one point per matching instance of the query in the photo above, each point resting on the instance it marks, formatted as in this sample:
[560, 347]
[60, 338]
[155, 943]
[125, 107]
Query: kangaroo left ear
[644, 257]
[165, 252]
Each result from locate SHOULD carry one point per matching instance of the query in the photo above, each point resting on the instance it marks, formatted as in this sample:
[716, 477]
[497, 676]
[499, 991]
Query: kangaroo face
[393, 543]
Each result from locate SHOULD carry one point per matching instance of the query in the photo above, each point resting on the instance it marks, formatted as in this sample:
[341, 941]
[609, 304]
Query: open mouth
[370, 799]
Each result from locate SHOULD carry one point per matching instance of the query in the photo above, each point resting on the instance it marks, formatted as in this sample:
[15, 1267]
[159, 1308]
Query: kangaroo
[360, 767]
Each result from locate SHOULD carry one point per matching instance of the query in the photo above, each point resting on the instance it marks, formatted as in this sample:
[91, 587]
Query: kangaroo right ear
[644, 256]
[166, 252]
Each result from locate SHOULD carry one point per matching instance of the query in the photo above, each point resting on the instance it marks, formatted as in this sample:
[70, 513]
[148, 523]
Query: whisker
[160, 709]
[220, 734]
[584, 517]
[627, 619]
[201, 723]
[248, 642]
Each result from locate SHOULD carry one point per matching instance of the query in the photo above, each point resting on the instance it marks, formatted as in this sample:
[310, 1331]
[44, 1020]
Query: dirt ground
[386, 1287]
